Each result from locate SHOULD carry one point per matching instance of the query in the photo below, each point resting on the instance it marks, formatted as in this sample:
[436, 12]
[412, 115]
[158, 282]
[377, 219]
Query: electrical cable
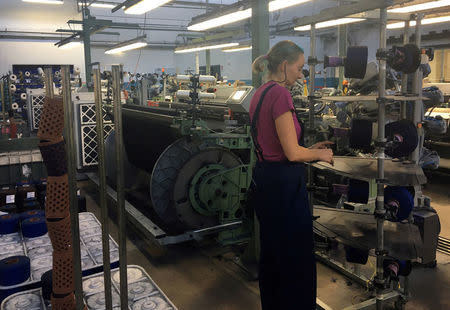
[140, 50]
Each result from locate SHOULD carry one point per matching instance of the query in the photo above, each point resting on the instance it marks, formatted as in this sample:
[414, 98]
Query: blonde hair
[283, 50]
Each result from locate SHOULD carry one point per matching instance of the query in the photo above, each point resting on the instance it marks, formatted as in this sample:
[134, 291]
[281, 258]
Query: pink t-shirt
[277, 101]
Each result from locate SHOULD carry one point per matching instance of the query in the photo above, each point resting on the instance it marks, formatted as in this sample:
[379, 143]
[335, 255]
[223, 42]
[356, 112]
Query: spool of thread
[30, 205]
[33, 213]
[14, 270]
[355, 63]
[23, 96]
[13, 77]
[203, 95]
[185, 94]
[402, 138]
[34, 227]
[202, 78]
[15, 106]
[333, 61]
[399, 201]
[12, 88]
[9, 223]
[9, 208]
[27, 73]
[57, 73]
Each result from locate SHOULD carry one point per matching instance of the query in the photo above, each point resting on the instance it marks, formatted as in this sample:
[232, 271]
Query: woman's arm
[288, 139]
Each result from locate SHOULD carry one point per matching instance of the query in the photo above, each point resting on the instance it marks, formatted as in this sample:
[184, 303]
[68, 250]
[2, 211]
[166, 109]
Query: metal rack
[384, 292]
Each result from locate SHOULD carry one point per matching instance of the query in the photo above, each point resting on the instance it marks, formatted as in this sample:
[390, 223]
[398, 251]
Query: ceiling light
[236, 49]
[330, 23]
[426, 21]
[45, 1]
[282, 4]
[70, 45]
[144, 6]
[421, 6]
[202, 48]
[102, 5]
[241, 15]
[127, 45]
[222, 20]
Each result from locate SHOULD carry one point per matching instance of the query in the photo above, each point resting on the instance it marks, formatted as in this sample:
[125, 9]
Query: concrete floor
[204, 277]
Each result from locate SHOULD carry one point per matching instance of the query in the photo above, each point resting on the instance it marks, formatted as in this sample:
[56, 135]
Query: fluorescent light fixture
[303, 28]
[143, 6]
[222, 20]
[127, 45]
[330, 23]
[425, 21]
[202, 48]
[45, 1]
[241, 15]
[70, 45]
[103, 5]
[236, 49]
[421, 6]
[282, 4]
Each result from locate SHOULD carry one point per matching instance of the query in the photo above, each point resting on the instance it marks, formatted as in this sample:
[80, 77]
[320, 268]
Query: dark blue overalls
[287, 267]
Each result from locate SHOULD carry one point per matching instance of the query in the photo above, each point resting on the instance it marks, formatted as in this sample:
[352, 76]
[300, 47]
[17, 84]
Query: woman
[287, 271]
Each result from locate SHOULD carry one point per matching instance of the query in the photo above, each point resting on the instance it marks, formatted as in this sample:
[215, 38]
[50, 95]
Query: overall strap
[254, 129]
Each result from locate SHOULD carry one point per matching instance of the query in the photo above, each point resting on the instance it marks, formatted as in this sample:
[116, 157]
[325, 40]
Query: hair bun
[260, 64]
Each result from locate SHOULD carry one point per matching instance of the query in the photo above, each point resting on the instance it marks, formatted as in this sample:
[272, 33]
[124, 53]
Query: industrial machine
[197, 164]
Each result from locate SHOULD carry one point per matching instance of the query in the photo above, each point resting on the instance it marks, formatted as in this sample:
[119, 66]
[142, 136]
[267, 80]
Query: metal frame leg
[102, 189]
[380, 211]
[71, 171]
[116, 72]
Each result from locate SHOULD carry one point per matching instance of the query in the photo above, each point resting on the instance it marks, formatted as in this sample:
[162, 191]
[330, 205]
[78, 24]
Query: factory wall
[141, 61]
[29, 52]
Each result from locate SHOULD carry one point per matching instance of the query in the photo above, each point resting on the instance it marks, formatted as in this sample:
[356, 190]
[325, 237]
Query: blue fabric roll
[14, 270]
[29, 205]
[34, 227]
[32, 213]
[9, 224]
[403, 198]
[9, 208]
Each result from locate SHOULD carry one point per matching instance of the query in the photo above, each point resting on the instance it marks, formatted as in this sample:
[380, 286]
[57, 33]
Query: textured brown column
[57, 210]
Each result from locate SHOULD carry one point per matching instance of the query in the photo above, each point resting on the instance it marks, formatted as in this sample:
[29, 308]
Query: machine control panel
[239, 100]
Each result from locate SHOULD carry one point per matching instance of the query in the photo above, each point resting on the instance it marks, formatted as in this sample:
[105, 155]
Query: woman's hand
[325, 155]
[321, 145]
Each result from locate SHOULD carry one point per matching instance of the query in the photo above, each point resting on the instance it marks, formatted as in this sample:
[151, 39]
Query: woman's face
[294, 70]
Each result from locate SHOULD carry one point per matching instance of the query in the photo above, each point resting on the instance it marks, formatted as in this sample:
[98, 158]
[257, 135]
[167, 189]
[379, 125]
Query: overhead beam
[79, 31]
[375, 14]
[172, 4]
[30, 37]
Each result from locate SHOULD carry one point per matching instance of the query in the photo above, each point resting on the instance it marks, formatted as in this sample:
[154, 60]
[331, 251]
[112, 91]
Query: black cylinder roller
[356, 62]
[404, 59]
